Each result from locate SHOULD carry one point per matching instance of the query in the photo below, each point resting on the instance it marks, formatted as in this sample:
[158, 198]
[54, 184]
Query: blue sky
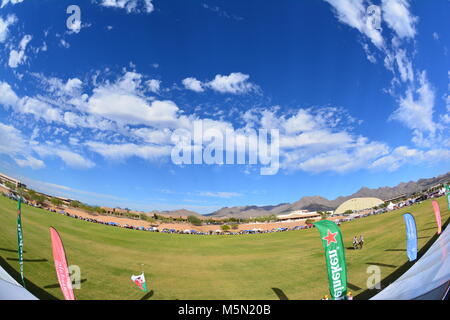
[88, 112]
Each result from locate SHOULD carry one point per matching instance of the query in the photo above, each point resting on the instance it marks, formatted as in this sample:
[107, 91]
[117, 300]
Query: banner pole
[20, 238]
[333, 245]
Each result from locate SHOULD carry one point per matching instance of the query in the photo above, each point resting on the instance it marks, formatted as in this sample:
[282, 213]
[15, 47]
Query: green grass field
[264, 266]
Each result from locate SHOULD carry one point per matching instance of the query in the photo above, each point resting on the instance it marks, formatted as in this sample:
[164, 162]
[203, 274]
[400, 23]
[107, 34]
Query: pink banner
[61, 265]
[437, 214]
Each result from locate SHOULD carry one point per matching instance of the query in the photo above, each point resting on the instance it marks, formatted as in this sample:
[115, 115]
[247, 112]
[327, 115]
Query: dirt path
[183, 226]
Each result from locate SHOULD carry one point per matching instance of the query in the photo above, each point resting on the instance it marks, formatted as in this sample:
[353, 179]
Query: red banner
[61, 265]
[437, 214]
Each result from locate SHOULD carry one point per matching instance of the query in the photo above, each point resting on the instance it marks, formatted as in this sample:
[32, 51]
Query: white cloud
[369, 55]
[76, 26]
[18, 57]
[64, 43]
[404, 155]
[31, 162]
[13, 2]
[127, 150]
[154, 136]
[358, 156]
[70, 158]
[417, 114]
[27, 105]
[130, 5]
[125, 103]
[154, 85]
[353, 13]
[313, 140]
[416, 104]
[64, 191]
[222, 12]
[4, 26]
[193, 84]
[235, 83]
[404, 66]
[121, 102]
[321, 139]
[8, 97]
[72, 87]
[300, 122]
[12, 140]
[316, 140]
[131, 109]
[45, 111]
[40, 109]
[398, 17]
[15, 146]
[445, 117]
[309, 141]
[74, 160]
[219, 194]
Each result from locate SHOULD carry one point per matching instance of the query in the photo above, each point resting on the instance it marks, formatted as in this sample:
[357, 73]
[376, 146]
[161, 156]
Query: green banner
[335, 258]
[20, 239]
[447, 192]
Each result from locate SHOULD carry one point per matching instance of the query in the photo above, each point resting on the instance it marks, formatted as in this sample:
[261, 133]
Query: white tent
[10, 289]
[391, 206]
[427, 279]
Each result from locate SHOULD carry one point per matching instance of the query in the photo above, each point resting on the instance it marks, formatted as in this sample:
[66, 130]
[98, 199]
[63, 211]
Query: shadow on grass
[27, 260]
[34, 289]
[381, 264]
[427, 229]
[353, 286]
[147, 295]
[280, 294]
[369, 293]
[56, 285]
[10, 250]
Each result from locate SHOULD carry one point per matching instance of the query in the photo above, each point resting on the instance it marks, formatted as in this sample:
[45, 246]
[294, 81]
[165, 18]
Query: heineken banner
[62, 271]
[448, 201]
[437, 214]
[140, 281]
[447, 192]
[411, 236]
[20, 239]
[334, 257]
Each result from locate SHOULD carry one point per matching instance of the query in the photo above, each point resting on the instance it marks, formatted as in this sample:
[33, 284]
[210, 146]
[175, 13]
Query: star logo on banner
[331, 237]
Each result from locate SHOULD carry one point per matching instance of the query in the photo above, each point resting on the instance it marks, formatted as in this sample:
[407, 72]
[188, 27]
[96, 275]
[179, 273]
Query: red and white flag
[61, 268]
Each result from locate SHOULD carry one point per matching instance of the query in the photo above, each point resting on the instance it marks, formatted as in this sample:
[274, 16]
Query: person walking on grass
[361, 241]
[355, 242]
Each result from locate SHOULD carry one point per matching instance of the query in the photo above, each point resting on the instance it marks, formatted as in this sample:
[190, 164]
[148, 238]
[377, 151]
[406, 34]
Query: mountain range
[317, 203]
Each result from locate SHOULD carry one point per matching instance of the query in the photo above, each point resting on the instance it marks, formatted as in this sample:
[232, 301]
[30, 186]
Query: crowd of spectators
[349, 217]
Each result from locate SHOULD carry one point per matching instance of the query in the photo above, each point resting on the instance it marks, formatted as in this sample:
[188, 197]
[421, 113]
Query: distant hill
[176, 213]
[317, 203]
